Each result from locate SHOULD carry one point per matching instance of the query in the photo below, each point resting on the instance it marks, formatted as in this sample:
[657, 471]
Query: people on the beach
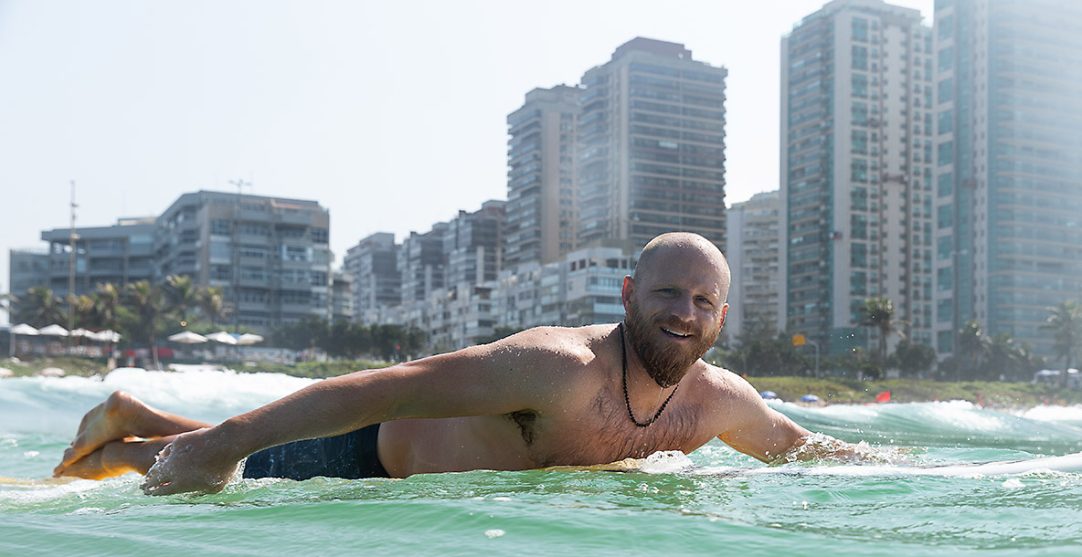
[544, 397]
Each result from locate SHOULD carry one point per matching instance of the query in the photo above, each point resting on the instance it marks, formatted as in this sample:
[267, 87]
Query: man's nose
[683, 308]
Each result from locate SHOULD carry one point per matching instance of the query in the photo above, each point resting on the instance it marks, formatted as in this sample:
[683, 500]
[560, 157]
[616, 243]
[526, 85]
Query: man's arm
[770, 436]
[480, 380]
[756, 429]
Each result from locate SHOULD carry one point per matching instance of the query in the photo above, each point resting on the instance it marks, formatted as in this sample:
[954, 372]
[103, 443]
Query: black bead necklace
[627, 399]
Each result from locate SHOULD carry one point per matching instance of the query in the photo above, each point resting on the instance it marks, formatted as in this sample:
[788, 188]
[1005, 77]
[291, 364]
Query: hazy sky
[391, 114]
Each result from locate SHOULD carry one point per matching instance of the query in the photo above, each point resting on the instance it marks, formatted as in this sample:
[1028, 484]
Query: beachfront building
[376, 282]
[28, 268]
[529, 295]
[270, 256]
[753, 249]
[1007, 169]
[541, 201]
[422, 264]
[341, 296]
[473, 244]
[118, 254]
[651, 146]
[856, 156]
[594, 279]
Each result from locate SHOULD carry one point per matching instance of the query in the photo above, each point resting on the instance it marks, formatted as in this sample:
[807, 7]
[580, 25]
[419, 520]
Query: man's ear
[724, 313]
[626, 291]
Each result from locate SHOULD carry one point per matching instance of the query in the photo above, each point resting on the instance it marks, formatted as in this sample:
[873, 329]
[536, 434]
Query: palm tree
[974, 347]
[1065, 323]
[181, 296]
[147, 304]
[211, 304]
[5, 304]
[108, 306]
[39, 307]
[85, 311]
[878, 313]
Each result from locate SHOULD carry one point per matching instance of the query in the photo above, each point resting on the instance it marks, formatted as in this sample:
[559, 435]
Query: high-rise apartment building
[753, 251]
[856, 149]
[271, 256]
[377, 283]
[651, 146]
[541, 209]
[473, 244]
[341, 296]
[422, 263]
[1008, 165]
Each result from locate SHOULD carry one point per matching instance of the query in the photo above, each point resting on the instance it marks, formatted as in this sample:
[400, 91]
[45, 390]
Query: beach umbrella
[53, 330]
[188, 337]
[25, 330]
[106, 336]
[768, 395]
[20, 329]
[248, 339]
[809, 398]
[82, 333]
[223, 337]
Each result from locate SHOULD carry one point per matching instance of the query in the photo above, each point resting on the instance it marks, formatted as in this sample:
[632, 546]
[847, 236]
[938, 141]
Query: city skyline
[135, 127]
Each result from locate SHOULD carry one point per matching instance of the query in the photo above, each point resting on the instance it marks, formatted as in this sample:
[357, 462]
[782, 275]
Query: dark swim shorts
[349, 456]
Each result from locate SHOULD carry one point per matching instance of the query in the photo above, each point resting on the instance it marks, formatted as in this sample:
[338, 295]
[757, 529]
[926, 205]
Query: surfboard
[23, 482]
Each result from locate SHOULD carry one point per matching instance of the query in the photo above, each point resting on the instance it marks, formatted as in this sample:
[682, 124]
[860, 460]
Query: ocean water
[712, 502]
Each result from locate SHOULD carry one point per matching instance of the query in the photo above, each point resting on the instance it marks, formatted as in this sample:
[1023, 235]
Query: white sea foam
[1053, 414]
[1071, 463]
[666, 462]
[55, 404]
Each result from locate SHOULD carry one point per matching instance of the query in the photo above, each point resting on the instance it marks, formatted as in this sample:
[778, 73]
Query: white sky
[391, 114]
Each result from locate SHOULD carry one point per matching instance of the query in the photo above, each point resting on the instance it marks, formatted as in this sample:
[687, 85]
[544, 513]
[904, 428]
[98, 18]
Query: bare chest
[600, 432]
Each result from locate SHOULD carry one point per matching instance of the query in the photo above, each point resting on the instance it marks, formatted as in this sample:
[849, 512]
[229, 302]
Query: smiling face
[675, 304]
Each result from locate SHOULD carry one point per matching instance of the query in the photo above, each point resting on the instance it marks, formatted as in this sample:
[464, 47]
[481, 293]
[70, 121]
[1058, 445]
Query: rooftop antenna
[240, 183]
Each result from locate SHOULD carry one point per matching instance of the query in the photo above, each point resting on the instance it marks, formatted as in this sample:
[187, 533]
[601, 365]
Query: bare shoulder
[727, 391]
[550, 349]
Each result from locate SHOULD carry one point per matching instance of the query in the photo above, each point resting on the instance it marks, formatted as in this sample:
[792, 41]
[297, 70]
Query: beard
[666, 362]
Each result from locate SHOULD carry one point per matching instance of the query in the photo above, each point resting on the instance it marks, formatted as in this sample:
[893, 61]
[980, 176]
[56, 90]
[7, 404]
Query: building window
[860, 29]
[945, 216]
[860, 58]
[946, 59]
[860, 85]
[944, 279]
[945, 184]
[945, 122]
[945, 155]
[945, 90]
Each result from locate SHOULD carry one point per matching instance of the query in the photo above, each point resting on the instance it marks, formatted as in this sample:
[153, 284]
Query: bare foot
[116, 458]
[102, 424]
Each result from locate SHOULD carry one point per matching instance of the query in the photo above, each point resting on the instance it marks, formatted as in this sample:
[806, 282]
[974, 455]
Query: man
[544, 397]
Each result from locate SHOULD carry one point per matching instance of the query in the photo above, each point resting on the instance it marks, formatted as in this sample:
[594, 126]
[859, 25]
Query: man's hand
[195, 461]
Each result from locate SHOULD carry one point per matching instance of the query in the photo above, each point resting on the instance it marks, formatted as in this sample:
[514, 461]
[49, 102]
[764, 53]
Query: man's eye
[705, 302]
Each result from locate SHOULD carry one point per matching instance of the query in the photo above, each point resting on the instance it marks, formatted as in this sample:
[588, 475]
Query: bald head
[689, 252]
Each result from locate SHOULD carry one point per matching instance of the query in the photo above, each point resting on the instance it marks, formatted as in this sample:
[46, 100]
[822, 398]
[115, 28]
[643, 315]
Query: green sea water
[715, 501]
